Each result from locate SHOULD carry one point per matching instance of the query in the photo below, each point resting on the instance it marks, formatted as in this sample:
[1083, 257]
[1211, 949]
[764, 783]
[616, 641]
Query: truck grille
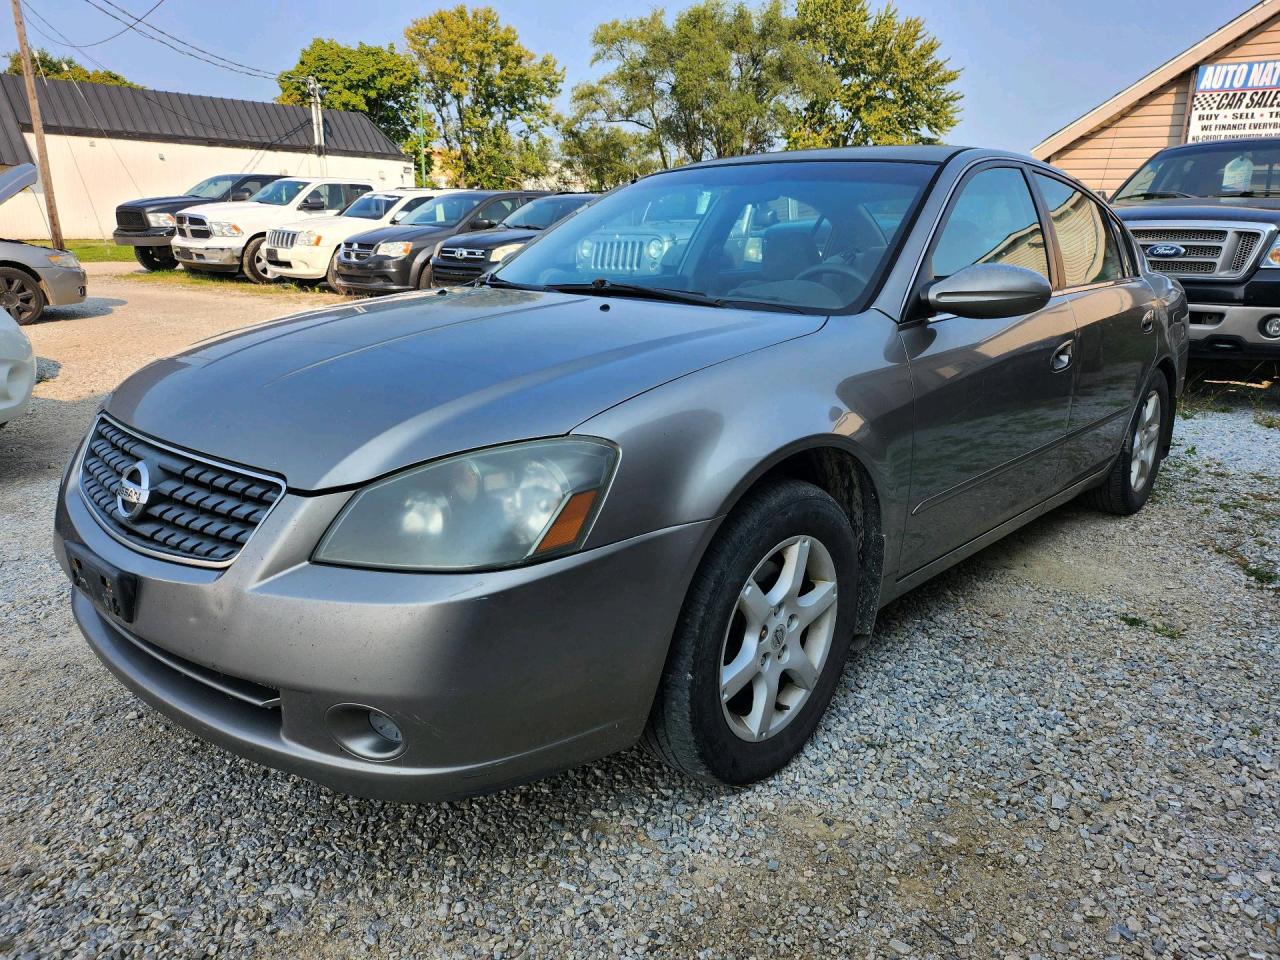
[193, 227]
[1209, 251]
[197, 511]
[357, 252]
[453, 274]
[281, 239]
[617, 256]
[131, 219]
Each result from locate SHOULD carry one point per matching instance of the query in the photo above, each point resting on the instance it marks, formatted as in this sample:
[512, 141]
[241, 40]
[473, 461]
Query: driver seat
[789, 250]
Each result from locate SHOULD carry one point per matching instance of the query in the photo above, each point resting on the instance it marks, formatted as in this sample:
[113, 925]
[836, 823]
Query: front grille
[617, 256]
[1208, 251]
[357, 251]
[198, 510]
[193, 227]
[453, 274]
[131, 220]
[461, 253]
[281, 239]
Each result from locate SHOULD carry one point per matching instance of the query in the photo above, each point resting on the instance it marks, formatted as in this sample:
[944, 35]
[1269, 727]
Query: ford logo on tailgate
[1166, 251]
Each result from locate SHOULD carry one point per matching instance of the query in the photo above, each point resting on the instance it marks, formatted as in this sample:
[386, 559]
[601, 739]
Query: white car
[308, 249]
[230, 237]
[17, 369]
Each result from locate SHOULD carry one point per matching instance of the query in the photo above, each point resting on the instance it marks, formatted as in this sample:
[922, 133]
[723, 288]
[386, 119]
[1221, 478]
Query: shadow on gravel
[92, 307]
[40, 443]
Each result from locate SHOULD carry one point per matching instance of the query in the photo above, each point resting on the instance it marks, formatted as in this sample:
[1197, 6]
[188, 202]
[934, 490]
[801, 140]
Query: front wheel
[1132, 476]
[761, 640]
[155, 258]
[254, 263]
[21, 296]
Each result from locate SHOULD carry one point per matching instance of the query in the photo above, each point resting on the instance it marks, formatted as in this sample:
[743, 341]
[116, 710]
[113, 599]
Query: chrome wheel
[18, 297]
[1146, 442]
[778, 638]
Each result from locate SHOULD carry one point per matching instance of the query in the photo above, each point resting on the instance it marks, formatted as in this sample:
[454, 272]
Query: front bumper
[219, 256]
[376, 274]
[494, 678]
[1226, 318]
[151, 237]
[17, 372]
[63, 285]
[298, 263]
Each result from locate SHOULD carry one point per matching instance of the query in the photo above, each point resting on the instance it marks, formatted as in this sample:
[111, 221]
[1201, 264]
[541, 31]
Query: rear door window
[1089, 245]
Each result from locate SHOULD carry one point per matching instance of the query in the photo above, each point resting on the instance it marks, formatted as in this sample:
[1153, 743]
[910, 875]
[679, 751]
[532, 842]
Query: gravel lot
[1066, 746]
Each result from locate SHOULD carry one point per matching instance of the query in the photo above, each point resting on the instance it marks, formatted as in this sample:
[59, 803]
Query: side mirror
[480, 223]
[1102, 195]
[242, 194]
[312, 203]
[989, 291]
[397, 217]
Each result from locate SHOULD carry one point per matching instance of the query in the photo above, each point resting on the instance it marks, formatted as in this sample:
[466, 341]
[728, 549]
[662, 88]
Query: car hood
[335, 225]
[1230, 209]
[488, 239]
[245, 209]
[149, 203]
[401, 232]
[339, 396]
[16, 179]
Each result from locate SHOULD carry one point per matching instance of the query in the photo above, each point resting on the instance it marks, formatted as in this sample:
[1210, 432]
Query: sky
[1028, 67]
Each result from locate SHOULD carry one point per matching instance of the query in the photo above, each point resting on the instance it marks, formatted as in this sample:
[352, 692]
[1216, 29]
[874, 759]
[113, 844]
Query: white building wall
[92, 175]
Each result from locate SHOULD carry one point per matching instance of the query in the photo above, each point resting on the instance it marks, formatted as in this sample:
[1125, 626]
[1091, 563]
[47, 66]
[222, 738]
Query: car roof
[1260, 143]
[917, 153]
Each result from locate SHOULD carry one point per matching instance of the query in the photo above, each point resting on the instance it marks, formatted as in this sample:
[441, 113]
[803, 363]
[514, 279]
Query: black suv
[468, 255]
[1209, 214]
[398, 258]
[147, 225]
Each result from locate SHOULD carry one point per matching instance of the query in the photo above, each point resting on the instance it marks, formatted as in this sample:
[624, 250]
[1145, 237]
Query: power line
[128, 27]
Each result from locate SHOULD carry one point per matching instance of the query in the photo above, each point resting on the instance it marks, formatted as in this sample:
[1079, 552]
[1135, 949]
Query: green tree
[64, 68]
[721, 79]
[882, 80]
[378, 81]
[603, 156]
[490, 96]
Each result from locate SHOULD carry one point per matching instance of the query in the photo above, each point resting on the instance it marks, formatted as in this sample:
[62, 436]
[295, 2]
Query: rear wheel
[761, 640]
[254, 263]
[155, 258]
[1129, 483]
[21, 296]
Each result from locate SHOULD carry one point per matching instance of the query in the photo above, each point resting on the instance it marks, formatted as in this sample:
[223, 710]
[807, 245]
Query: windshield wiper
[489, 280]
[1158, 195]
[1248, 193]
[520, 226]
[603, 287]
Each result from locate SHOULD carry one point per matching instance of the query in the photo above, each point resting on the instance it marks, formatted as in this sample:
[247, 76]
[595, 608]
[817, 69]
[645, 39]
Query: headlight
[221, 228]
[655, 249]
[161, 219]
[308, 238]
[498, 254]
[398, 248]
[585, 248]
[496, 508]
[64, 259]
[1272, 259]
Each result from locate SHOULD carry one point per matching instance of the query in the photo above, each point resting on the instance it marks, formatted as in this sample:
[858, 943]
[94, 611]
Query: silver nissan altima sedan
[650, 479]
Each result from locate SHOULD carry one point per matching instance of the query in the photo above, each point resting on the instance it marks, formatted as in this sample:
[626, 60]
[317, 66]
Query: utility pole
[37, 126]
[317, 118]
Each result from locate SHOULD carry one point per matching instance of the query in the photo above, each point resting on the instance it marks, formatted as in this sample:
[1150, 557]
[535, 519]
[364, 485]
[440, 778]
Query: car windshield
[372, 206]
[444, 211]
[1231, 170]
[279, 192]
[212, 188]
[543, 212]
[794, 235]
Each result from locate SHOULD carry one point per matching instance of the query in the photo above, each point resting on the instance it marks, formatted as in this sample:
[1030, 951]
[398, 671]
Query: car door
[993, 397]
[1115, 315]
[495, 211]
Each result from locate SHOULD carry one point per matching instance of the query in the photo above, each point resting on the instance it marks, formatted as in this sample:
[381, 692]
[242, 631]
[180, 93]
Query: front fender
[692, 447]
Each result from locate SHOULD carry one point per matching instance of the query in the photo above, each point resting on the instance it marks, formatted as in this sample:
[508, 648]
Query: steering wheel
[836, 269]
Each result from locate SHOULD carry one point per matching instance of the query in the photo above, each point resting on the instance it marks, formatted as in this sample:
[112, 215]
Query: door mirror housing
[988, 291]
[312, 203]
[482, 223]
[1102, 195]
[242, 194]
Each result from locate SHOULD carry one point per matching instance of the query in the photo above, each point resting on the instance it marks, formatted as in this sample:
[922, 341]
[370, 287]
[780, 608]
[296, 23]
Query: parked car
[32, 276]
[398, 258]
[465, 257]
[451, 542]
[308, 249]
[17, 369]
[231, 237]
[1209, 215]
[148, 225]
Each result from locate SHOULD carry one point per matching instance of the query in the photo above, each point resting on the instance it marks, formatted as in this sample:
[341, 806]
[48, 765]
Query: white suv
[229, 237]
[308, 249]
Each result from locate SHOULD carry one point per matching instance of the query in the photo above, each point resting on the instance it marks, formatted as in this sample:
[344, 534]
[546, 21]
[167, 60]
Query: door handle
[1148, 321]
[1061, 358]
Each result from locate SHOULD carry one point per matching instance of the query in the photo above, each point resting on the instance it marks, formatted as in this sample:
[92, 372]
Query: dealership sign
[1235, 100]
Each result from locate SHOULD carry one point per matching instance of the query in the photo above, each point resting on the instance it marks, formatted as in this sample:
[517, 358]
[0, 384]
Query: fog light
[1271, 327]
[364, 732]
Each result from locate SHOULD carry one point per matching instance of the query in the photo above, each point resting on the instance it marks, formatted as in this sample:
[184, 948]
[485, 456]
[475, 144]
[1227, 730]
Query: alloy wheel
[778, 638]
[18, 297]
[1146, 443]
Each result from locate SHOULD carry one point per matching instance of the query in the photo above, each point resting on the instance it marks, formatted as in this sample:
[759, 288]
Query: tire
[691, 727]
[331, 275]
[254, 263]
[1129, 483]
[21, 296]
[155, 258]
[424, 277]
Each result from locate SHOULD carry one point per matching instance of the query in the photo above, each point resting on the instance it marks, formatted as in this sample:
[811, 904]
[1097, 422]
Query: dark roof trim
[100, 110]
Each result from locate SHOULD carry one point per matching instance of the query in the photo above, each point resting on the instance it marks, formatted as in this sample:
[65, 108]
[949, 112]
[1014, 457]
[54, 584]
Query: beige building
[112, 144]
[1227, 85]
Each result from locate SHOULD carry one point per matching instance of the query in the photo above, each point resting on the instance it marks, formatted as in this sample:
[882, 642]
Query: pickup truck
[231, 237]
[148, 225]
[1209, 215]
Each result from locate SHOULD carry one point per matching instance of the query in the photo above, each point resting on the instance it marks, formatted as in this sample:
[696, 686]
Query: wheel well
[1166, 367]
[15, 265]
[847, 481]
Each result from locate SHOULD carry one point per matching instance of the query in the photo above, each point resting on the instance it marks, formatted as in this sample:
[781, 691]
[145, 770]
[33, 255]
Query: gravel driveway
[1066, 746]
